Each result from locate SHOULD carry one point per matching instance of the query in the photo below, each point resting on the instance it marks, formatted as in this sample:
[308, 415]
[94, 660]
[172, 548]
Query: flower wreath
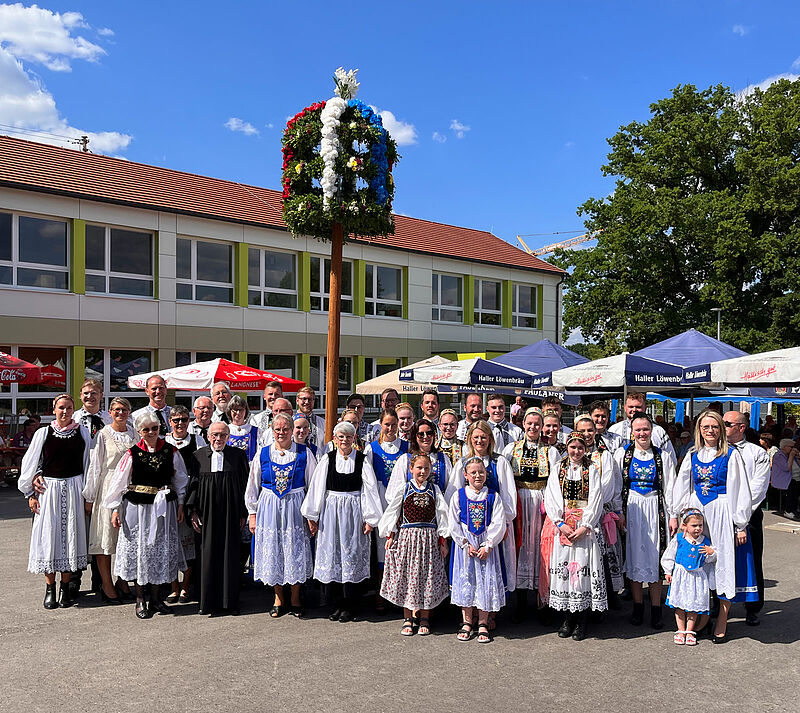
[337, 167]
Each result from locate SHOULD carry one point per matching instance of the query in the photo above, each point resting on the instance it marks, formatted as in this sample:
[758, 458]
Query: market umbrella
[690, 347]
[616, 373]
[18, 371]
[391, 380]
[470, 372]
[201, 375]
[775, 369]
[541, 357]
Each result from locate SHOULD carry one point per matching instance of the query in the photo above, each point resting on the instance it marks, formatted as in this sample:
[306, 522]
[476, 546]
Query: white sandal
[679, 638]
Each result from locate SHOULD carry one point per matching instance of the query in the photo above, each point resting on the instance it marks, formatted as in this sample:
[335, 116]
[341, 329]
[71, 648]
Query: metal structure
[547, 249]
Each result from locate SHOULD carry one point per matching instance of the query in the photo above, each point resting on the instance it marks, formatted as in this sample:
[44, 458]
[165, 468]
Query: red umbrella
[18, 371]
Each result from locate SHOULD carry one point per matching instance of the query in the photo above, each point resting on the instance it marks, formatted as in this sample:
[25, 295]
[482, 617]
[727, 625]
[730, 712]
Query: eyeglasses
[425, 434]
[710, 427]
[179, 419]
[148, 429]
[731, 424]
[217, 435]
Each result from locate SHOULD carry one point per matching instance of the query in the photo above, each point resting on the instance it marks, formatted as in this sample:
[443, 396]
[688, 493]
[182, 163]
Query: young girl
[687, 563]
[477, 525]
[414, 577]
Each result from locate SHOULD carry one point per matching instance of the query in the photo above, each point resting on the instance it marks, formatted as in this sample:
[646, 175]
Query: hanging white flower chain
[330, 146]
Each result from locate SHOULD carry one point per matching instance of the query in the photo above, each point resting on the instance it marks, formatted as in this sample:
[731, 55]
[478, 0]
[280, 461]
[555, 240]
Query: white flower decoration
[346, 83]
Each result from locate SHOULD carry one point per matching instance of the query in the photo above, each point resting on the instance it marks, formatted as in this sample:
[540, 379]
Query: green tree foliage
[705, 213]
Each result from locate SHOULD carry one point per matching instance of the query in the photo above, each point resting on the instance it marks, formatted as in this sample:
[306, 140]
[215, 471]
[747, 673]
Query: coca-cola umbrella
[201, 375]
[18, 371]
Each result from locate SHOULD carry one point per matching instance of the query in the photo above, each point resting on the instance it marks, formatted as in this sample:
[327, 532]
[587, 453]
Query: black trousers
[757, 539]
[343, 595]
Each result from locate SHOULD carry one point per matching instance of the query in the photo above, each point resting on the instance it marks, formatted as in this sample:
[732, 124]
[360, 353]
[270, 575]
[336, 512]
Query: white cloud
[30, 34]
[402, 132]
[105, 32]
[440, 138]
[575, 337]
[750, 88]
[245, 127]
[740, 30]
[38, 35]
[459, 128]
[796, 64]
[270, 126]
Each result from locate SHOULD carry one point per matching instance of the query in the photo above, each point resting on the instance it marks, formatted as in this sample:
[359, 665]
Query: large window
[488, 302]
[119, 262]
[317, 380]
[446, 298]
[524, 307]
[272, 279]
[205, 271]
[24, 399]
[33, 252]
[320, 285]
[113, 367]
[383, 291]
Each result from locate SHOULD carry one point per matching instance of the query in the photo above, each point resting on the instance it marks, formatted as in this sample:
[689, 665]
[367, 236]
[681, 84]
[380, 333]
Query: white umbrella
[391, 380]
[780, 367]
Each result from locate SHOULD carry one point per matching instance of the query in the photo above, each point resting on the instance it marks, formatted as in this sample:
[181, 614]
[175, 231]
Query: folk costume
[648, 478]
[383, 457]
[110, 447]
[505, 434]
[608, 534]
[186, 447]
[441, 474]
[216, 495]
[92, 422]
[692, 573]
[452, 449]
[622, 431]
[146, 489]
[58, 536]
[571, 578]
[275, 493]
[316, 429]
[246, 438]
[414, 576]
[477, 519]
[717, 486]
[531, 463]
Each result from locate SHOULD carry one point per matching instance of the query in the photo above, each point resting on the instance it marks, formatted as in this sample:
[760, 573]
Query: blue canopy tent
[541, 357]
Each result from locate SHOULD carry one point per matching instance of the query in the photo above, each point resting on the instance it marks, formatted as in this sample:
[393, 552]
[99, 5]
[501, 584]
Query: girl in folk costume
[448, 442]
[279, 477]
[342, 505]
[531, 462]
[302, 432]
[146, 495]
[422, 439]
[477, 525]
[111, 444]
[60, 454]
[713, 480]
[609, 533]
[551, 428]
[687, 563]
[415, 576]
[243, 434]
[571, 579]
[648, 476]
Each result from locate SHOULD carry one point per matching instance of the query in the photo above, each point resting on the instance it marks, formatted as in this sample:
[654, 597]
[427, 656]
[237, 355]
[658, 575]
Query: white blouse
[554, 500]
[492, 536]
[505, 479]
[279, 457]
[394, 508]
[122, 440]
[32, 460]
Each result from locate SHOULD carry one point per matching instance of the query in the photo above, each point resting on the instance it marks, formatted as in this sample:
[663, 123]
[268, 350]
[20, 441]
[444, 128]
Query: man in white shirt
[316, 424]
[757, 467]
[263, 420]
[504, 432]
[635, 403]
[220, 395]
[90, 415]
[203, 409]
[280, 405]
[156, 390]
[473, 411]
[601, 415]
[430, 405]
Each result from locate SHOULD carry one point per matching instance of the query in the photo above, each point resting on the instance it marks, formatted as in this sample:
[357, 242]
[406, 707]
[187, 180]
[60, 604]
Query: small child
[686, 563]
[477, 526]
[414, 576]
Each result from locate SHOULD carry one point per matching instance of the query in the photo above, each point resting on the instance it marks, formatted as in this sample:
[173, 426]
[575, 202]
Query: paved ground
[93, 655]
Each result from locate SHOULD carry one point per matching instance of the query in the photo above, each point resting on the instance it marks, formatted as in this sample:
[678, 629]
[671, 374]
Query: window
[113, 367]
[33, 252]
[272, 279]
[204, 271]
[375, 367]
[320, 276]
[524, 307]
[488, 302]
[317, 380]
[280, 364]
[22, 399]
[119, 262]
[383, 291]
[446, 298]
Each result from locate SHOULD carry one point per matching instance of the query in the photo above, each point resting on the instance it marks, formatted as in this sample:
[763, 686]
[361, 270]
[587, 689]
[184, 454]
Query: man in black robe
[215, 503]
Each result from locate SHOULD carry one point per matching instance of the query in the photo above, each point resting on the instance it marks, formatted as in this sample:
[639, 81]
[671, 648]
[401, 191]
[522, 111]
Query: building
[110, 267]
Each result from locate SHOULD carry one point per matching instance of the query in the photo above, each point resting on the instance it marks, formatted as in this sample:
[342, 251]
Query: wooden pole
[334, 315]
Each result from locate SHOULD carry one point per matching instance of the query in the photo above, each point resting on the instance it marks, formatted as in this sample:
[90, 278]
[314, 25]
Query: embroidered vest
[476, 514]
[574, 492]
[246, 442]
[531, 466]
[688, 555]
[419, 506]
[492, 481]
[154, 470]
[282, 479]
[710, 479]
[452, 449]
[645, 479]
[383, 462]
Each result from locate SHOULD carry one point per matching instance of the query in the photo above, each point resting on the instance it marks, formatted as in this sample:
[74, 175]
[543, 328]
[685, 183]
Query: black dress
[218, 500]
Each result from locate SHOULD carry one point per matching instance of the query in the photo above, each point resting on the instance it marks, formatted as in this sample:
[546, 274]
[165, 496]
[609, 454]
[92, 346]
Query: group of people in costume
[474, 509]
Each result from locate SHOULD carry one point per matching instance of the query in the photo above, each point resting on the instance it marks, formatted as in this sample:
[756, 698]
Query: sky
[501, 110]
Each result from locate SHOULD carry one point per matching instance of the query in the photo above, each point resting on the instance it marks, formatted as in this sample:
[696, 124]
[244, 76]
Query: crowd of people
[489, 512]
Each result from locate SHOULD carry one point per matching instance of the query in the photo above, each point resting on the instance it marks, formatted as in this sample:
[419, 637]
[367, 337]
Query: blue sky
[502, 109]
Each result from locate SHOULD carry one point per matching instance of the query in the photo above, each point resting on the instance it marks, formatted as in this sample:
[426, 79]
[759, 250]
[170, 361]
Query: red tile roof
[52, 169]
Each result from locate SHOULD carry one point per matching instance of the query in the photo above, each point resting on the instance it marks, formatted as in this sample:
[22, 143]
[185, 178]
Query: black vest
[62, 454]
[344, 482]
[152, 469]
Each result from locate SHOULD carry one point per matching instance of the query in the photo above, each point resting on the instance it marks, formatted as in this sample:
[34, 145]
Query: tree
[705, 213]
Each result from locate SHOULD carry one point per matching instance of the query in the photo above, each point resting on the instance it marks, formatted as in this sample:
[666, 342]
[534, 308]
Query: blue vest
[710, 479]
[688, 555]
[248, 442]
[438, 474]
[281, 479]
[383, 462]
[492, 481]
[476, 515]
[642, 474]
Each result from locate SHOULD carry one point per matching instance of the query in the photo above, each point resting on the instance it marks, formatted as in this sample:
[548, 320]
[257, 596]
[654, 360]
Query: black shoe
[64, 598]
[346, 616]
[638, 614]
[110, 600]
[335, 616]
[655, 618]
[752, 619]
[723, 639]
[156, 605]
[74, 586]
[142, 610]
[565, 630]
[580, 628]
[544, 616]
[50, 597]
[613, 601]
[124, 595]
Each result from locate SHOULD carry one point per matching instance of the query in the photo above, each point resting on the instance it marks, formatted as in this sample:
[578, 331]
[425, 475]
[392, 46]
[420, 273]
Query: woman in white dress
[648, 477]
[59, 453]
[112, 442]
[342, 506]
[279, 477]
[146, 495]
[713, 479]
[574, 503]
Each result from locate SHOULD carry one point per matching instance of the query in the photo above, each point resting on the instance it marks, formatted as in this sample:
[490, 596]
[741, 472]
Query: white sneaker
[788, 514]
